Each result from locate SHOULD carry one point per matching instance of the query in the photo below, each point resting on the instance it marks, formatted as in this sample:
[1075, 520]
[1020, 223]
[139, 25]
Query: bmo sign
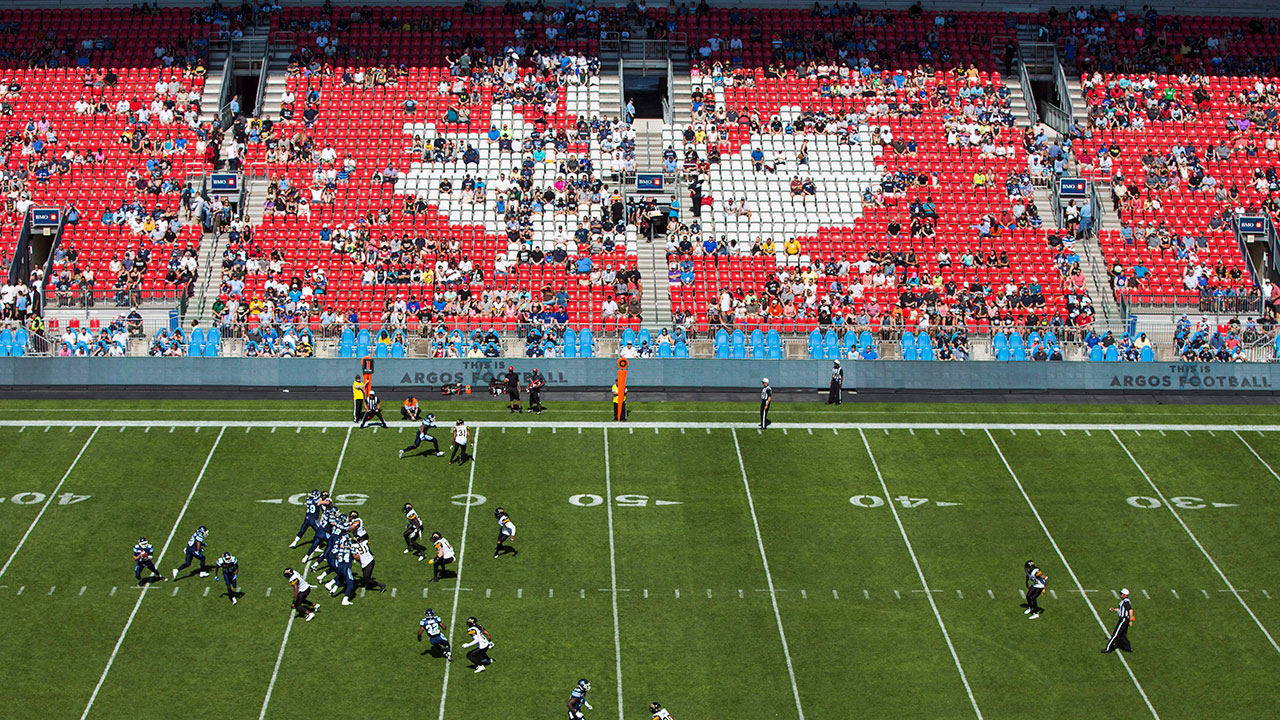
[224, 183]
[46, 217]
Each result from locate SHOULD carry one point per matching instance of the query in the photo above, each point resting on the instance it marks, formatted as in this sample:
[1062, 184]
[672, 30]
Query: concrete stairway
[656, 302]
[610, 87]
[279, 62]
[211, 95]
[209, 278]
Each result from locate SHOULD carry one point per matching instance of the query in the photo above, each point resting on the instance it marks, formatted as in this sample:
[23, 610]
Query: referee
[513, 390]
[766, 400]
[1124, 618]
[837, 381]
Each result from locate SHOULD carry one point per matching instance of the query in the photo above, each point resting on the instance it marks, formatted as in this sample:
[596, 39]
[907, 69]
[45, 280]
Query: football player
[365, 556]
[578, 700]
[355, 526]
[506, 531]
[413, 531]
[195, 549]
[434, 628]
[424, 435]
[342, 568]
[482, 641]
[1036, 580]
[458, 451]
[536, 383]
[229, 566]
[444, 556]
[301, 590]
[311, 518]
[334, 526]
[655, 709]
[321, 538]
[142, 553]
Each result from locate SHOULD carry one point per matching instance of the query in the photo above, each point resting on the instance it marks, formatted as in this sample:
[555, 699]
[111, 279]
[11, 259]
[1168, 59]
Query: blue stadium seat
[1017, 353]
[816, 352]
[212, 349]
[1015, 340]
[628, 336]
[999, 340]
[737, 338]
[571, 351]
[194, 350]
[1050, 340]
[380, 350]
[1033, 338]
[739, 352]
[362, 341]
[586, 348]
[584, 336]
[924, 353]
[1111, 354]
[346, 350]
[348, 337]
[757, 343]
[682, 349]
[397, 350]
[5, 349]
[924, 340]
[908, 353]
[908, 340]
[833, 353]
[773, 338]
[664, 350]
[6, 337]
[18, 349]
[1095, 354]
[775, 352]
[865, 340]
[722, 352]
[722, 335]
[197, 337]
[570, 337]
[1002, 354]
[1147, 354]
[644, 336]
[831, 339]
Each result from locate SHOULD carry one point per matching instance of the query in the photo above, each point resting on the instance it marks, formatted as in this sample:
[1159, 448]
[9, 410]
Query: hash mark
[269, 591]
[834, 431]
[113, 589]
[299, 430]
[55, 587]
[393, 592]
[1211, 434]
[913, 431]
[1175, 594]
[553, 430]
[646, 590]
[1162, 434]
[1205, 593]
[897, 594]
[866, 595]
[739, 593]
[960, 593]
[424, 592]
[1013, 432]
[83, 588]
[784, 431]
[582, 594]
[677, 593]
[1146, 595]
[681, 430]
[519, 593]
[835, 595]
[1115, 594]
[803, 594]
[1053, 593]
[247, 428]
[174, 594]
[1138, 433]
[962, 431]
[655, 430]
[1037, 432]
[206, 592]
[487, 591]
[22, 589]
[551, 593]
[1086, 432]
[1265, 594]
[708, 593]
[1064, 433]
[121, 428]
[810, 431]
[992, 594]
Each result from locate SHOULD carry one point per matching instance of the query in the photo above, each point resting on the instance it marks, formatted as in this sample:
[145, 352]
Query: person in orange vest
[410, 409]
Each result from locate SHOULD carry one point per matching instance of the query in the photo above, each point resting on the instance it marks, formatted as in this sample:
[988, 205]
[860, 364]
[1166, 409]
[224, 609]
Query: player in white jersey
[1036, 580]
[365, 557]
[506, 531]
[458, 452]
[658, 713]
[301, 589]
[444, 556]
[481, 641]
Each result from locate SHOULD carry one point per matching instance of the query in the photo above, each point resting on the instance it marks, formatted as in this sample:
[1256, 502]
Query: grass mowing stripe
[462, 550]
[159, 563]
[1196, 540]
[768, 576]
[1083, 595]
[292, 612]
[48, 502]
[924, 583]
[613, 572]
[1265, 464]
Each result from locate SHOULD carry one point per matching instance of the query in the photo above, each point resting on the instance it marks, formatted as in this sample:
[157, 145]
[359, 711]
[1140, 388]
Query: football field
[861, 561]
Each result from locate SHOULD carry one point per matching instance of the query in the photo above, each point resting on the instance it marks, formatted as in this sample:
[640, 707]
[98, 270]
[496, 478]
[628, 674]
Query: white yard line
[275, 671]
[1265, 464]
[1196, 540]
[159, 564]
[1067, 566]
[673, 425]
[462, 551]
[485, 410]
[47, 503]
[613, 571]
[773, 595]
[924, 583]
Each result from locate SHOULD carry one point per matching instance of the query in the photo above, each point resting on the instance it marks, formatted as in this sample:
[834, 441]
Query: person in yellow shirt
[357, 394]
[792, 246]
[619, 403]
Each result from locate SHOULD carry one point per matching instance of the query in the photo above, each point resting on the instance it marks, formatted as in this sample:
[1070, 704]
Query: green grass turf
[696, 625]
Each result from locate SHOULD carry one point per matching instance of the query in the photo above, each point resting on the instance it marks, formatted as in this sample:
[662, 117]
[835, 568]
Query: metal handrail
[1028, 96]
[262, 81]
[1064, 93]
